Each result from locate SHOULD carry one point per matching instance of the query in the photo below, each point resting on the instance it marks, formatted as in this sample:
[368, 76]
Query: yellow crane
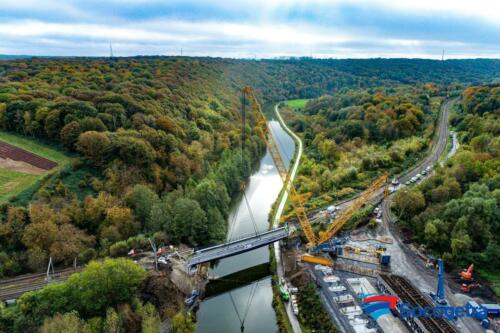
[297, 201]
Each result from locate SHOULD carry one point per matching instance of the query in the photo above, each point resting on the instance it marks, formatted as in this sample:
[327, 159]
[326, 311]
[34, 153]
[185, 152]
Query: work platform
[237, 246]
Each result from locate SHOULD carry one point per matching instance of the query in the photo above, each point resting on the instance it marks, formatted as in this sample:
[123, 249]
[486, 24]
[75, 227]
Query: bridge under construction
[237, 246]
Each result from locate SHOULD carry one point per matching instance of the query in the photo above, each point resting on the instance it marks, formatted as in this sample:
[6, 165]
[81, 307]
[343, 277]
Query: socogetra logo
[379, 305]
[449, 312]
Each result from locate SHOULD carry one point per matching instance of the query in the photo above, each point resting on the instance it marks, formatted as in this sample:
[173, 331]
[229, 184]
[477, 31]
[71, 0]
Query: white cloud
[85, 31]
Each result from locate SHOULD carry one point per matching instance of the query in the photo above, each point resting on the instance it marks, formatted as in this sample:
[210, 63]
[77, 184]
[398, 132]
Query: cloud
[243, 28]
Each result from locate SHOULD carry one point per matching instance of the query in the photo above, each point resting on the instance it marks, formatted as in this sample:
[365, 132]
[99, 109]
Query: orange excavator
[466, 274]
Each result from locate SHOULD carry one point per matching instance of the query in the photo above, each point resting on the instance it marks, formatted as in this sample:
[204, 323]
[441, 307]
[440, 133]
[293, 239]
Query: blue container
[485, 323]
[385, 259]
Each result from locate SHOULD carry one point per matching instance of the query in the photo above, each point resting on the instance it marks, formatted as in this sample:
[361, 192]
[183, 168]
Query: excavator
[297, 201]
[466, 274]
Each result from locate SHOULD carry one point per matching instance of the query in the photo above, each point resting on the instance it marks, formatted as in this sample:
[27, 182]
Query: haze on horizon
[252, 28]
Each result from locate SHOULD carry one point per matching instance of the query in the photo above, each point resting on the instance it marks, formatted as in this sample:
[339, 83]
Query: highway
[404, 261]
[440, 142]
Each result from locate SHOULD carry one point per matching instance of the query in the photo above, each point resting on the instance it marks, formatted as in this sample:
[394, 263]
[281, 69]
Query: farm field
[35, 147]
[18, 176]
[297, 103]
[13, 183]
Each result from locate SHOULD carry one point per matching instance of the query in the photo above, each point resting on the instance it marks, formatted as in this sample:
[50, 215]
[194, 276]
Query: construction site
[348, 268]
[353, 271]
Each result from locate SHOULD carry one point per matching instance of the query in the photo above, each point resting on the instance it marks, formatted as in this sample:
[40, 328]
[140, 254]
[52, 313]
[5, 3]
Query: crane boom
[297, 201]
[353, 208]
[266, 135]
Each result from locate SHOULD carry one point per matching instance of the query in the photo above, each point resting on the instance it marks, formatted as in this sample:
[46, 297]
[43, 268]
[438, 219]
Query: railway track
[407, 293]
[12, 288]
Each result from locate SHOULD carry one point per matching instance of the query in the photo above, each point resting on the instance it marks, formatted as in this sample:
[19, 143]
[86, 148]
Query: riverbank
[288, 323]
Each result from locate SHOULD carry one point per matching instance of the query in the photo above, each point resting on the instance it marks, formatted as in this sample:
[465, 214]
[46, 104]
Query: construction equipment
[346, 215]
[298, 201]
[439, 297]
[285, 294]
[466, 274]
[317, 260]
[466, 288]
[272, 145]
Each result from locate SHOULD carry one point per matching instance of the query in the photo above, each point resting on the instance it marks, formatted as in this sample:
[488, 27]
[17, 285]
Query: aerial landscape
[256, 166]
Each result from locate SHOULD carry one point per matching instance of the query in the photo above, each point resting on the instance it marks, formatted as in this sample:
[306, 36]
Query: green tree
[408, 203]
[67, 323]
[94, 146]
[183, 323]
[112, 323]
[151, 321]
[70, 133]
[142, 199]
[189, 222]
[105, 284]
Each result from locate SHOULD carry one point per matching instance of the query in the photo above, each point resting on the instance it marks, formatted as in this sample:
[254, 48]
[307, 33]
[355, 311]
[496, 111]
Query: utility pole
[49, 268]
[153, 246]
[243, 120]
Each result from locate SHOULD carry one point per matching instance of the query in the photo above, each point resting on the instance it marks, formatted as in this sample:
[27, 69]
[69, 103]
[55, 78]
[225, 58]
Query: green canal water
[220, 314]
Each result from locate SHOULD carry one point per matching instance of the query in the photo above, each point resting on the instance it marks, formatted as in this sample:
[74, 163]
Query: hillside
[158, 139]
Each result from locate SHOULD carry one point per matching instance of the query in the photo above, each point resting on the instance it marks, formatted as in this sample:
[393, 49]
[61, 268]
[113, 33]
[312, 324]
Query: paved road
[441, 135]
[277, 249]
[438, 149]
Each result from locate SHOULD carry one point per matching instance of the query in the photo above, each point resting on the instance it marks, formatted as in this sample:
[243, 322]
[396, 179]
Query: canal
[221, 313]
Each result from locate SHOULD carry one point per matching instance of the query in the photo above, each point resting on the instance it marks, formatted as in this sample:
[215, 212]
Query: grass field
[297, 103]
[12, 182]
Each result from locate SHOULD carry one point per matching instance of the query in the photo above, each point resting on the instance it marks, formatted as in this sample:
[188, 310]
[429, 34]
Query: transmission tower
[442, 56]
[110, 50]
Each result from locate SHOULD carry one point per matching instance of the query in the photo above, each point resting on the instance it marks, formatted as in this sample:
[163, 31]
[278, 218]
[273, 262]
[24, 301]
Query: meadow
[12, 182]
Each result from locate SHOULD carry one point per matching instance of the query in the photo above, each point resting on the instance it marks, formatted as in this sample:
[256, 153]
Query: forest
[353, 135]
[155, 149]
[455, 213]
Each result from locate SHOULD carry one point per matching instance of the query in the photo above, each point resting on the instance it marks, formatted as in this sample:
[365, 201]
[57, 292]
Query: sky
[252, 28]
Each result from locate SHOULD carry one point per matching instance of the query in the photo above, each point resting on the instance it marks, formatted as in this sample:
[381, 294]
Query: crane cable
[251, 214]
[233, 226]
[247, 308]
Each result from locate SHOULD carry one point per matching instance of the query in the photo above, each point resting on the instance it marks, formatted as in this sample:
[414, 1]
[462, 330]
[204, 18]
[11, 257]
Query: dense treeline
[159, 151]
[455, 213]
[352, 135]
[158, 142]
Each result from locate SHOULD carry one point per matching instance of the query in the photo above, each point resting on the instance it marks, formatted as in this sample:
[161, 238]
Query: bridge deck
[237, 246]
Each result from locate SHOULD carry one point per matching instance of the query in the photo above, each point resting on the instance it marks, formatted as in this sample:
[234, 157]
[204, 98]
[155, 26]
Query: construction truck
[285, 294]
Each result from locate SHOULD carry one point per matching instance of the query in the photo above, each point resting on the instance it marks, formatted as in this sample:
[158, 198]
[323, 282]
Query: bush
[87, 255]
[118, 249]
